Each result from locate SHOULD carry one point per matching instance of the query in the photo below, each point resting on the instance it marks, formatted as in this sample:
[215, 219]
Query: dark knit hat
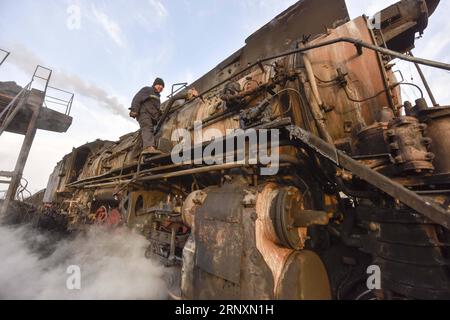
[159, 81]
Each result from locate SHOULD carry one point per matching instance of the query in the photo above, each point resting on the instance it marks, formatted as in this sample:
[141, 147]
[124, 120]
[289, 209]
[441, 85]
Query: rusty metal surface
[274, 255]
[304, 278]
[428, 208]
[411, 251]
[219, 234]
[438, 127]
[288, 204]
[402, 20]
[325, 64]
[409, 146]
[53, 183]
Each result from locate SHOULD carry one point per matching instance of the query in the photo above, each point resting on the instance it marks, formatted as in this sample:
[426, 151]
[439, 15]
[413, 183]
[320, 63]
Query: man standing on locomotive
[145, 107]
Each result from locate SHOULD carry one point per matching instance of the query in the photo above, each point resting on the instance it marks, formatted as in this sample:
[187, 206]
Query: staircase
[26, 112]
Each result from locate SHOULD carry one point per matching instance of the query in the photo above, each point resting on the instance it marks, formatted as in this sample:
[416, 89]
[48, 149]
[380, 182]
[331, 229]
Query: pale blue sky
[122, 45]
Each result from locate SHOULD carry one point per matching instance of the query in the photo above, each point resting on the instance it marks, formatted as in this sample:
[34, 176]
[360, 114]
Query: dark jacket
[147, 103]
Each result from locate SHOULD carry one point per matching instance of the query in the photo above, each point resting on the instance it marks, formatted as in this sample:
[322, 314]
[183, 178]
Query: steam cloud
[26, 60]
[112, 265]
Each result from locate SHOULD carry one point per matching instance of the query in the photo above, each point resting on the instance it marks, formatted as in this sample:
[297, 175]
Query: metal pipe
[205, 169]
[425, 83]
[105, 175]
[218, 167]
[360, 43]
[316, 103]
[173, 237]
[6, 174]
[120, 177]
[172, 174]
[107, 184]
[107, 180]
[216, 118]
[312, 79]
[172, 100]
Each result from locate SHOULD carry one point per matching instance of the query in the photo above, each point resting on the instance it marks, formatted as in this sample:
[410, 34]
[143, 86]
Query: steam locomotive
[362, 176]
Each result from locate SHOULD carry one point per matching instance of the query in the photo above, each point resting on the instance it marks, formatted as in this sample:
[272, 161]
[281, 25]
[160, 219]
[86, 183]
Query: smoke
[112, 264]
[27, 60]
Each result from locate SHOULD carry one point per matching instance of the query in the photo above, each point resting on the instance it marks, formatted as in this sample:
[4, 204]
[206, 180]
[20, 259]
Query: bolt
[394, 146]
[423, 127]
[374, 227]
[399, 159]
[426, 141]
[390, 133]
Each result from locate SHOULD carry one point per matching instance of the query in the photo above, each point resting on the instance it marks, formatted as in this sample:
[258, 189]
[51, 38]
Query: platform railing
[4, 55]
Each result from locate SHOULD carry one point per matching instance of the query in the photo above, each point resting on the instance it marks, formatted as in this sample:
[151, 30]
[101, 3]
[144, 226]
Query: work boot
[150, 151]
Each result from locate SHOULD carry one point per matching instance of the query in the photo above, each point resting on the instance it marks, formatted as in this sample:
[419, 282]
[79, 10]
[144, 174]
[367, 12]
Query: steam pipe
[180, 96]
[316, 104]
[205, 169]
[312, 79]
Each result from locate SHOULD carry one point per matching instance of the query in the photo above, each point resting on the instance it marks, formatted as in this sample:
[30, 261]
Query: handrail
[10, 114]
[47, 80]
[62, 102]
[50, 99]
[5, 57]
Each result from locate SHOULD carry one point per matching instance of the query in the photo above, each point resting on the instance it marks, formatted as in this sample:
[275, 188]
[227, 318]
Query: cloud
[159, 8]
[27, 60]
[110, 26]
[92, 91]
[151, 15]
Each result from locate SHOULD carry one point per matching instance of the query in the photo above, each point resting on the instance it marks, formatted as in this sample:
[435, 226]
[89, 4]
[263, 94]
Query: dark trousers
[147, 125]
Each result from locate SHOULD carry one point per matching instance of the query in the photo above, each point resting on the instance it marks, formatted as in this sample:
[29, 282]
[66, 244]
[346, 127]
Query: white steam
[112, 264]
[27, 60]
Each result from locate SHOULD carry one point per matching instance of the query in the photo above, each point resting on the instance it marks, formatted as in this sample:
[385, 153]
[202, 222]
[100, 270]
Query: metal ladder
[20, 100]
[13, 108]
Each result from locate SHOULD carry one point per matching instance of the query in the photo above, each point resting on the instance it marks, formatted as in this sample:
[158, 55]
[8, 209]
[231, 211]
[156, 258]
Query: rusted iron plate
[219, 233]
